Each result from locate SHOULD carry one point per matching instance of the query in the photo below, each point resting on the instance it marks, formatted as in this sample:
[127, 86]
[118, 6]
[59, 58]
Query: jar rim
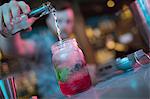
[58, 44]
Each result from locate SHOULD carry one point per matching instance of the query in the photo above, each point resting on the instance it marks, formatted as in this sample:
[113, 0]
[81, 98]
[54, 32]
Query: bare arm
[17, 46]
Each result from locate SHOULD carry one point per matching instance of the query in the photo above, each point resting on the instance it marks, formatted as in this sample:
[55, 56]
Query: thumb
[32, 20]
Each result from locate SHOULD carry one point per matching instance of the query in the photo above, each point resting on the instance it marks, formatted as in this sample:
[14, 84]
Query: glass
[138, 55]
[70, 67]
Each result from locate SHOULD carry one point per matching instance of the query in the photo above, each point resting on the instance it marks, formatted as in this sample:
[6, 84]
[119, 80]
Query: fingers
[11, 17]
[6, 16]
[24, 7]
[26, 23]
[15, 10]
[17, 6]
[32, 20]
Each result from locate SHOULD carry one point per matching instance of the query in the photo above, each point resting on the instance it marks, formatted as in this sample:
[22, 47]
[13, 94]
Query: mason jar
[70, 66]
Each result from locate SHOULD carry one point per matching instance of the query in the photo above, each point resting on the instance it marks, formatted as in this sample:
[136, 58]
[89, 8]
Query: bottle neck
[45, 9]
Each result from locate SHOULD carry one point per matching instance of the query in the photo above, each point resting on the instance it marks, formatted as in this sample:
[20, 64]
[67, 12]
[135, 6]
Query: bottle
[70, 66]
[45, 9]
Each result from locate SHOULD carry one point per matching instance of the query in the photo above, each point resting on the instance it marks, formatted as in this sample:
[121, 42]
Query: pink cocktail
[70, 67]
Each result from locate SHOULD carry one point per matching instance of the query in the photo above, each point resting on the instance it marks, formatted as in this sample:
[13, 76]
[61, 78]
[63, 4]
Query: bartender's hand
[13, 17]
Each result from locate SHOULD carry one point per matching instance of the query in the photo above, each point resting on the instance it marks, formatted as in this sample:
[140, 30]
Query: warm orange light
[110, 3]
[110, 44]
[126, 14]
[120, 47]
[104, 55]
[89, 32]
